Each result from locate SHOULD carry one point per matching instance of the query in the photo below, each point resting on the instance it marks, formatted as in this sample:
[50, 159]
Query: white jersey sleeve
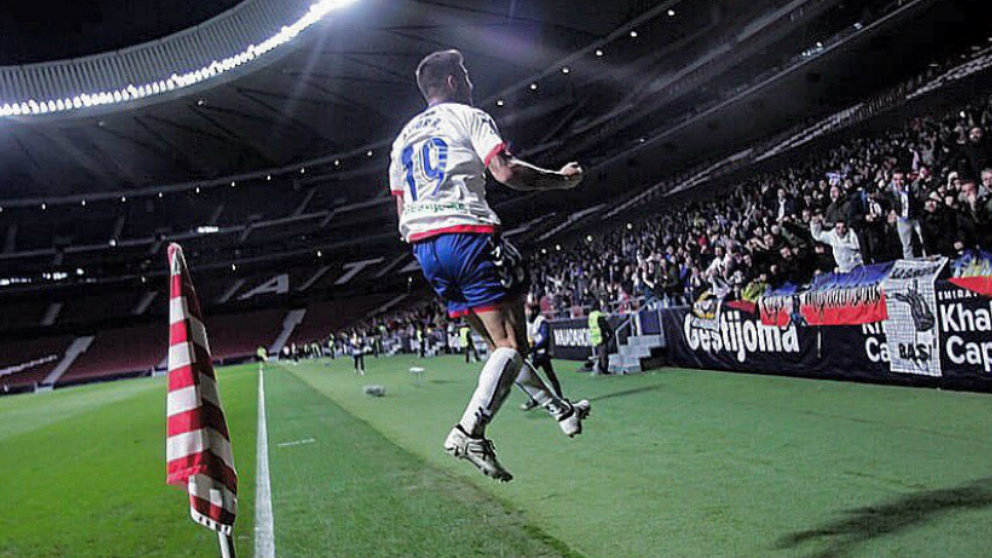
[438, 165]
[395, 174]
[485, 136]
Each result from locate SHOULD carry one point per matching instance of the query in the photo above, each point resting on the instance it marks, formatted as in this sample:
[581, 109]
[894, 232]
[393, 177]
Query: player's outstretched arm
[521, 175]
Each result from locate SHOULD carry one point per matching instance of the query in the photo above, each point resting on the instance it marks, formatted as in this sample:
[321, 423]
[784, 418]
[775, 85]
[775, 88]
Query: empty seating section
[21, 313]
[117, 352]
[236, 336]
[90, 309]
[33, 358]
[323, 318]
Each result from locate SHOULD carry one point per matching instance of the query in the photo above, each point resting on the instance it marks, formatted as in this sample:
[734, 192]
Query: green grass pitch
[672, 463]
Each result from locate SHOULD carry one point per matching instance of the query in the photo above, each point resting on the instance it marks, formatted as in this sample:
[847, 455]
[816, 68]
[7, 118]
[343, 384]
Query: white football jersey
[438, 164]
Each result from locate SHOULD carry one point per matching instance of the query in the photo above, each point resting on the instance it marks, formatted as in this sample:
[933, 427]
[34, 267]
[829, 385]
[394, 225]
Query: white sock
[495, 381]
[535, 388]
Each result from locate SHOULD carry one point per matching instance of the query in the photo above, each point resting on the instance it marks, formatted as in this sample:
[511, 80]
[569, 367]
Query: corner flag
[198, 446]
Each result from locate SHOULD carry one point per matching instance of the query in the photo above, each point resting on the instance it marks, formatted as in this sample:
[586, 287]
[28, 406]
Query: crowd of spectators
[923, 190]
[920, 191]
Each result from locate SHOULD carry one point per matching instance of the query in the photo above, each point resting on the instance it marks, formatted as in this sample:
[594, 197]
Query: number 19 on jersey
[425, 163]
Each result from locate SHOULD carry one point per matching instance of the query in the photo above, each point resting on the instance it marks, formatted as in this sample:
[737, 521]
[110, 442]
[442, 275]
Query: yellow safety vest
[464, 332]
[595, 333]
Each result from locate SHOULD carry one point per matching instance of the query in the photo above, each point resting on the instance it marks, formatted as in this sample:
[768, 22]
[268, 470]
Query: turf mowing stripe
[33, 411]
[352, 492]
[95, 485]
[265, 545]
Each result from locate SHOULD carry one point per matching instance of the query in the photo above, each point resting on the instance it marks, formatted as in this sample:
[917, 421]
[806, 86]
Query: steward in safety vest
[468, 345]
[600, 333]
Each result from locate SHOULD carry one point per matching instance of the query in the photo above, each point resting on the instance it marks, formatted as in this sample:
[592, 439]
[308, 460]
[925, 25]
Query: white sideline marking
[265, 544]
[296, 443]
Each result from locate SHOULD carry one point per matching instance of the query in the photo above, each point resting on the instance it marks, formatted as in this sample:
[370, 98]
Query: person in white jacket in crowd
[847, 249]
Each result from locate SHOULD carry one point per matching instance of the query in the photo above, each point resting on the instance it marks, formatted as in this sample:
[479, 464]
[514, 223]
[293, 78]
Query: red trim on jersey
[486, 308]
[491, 307]
[471, 229]
[494, 152]
[396, 192]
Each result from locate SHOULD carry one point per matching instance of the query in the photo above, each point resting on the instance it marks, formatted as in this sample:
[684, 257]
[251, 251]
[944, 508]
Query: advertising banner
[965, 319]
[911, 327]
[741, 342]
[956, 342]
[570, 338]
[893, 323]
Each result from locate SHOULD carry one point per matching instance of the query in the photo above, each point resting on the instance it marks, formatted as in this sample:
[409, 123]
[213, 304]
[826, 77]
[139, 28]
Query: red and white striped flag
[198, 446]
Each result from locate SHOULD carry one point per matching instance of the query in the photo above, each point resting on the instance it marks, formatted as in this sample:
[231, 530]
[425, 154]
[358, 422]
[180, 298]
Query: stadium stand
[780, 210]
[117, 353]
[732, 243]
[267, 242]
[140, 350]
[238, 336]
[671, 257]
[25, 363]
[327, 317]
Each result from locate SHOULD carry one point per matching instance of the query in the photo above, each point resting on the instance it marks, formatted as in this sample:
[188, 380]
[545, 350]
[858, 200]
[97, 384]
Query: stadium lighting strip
[318, 10]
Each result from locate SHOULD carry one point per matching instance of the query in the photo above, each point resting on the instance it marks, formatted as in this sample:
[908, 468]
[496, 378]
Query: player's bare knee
[507, 343]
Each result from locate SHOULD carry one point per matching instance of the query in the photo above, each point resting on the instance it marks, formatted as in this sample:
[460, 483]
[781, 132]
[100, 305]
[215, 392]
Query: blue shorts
[471, 272]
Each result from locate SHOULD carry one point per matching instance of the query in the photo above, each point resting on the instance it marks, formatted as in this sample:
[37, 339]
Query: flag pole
[226, 545]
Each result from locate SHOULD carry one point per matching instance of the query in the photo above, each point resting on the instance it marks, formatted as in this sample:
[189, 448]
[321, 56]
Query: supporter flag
[853, 298]
[973, 271]
[198, 446]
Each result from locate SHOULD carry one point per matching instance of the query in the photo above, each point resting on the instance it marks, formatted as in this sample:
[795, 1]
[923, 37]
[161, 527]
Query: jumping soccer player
[438, 176]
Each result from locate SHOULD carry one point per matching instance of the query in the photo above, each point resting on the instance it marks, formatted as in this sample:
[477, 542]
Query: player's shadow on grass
[863, 524]
[633, 391]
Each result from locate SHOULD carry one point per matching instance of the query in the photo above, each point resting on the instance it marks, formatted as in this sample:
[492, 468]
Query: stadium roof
[605, 74]
[56, 29]
[341, 86]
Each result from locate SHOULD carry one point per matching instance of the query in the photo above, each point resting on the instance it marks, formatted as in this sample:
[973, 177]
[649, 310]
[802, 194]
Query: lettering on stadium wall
[571, 337]
[280, 284]
[938, 332]
[966, 327]
[277, 285]
[738, 336]
[876, 346]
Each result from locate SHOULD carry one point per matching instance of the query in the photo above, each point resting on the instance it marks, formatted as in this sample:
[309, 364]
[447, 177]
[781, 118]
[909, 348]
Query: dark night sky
[40, 30]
